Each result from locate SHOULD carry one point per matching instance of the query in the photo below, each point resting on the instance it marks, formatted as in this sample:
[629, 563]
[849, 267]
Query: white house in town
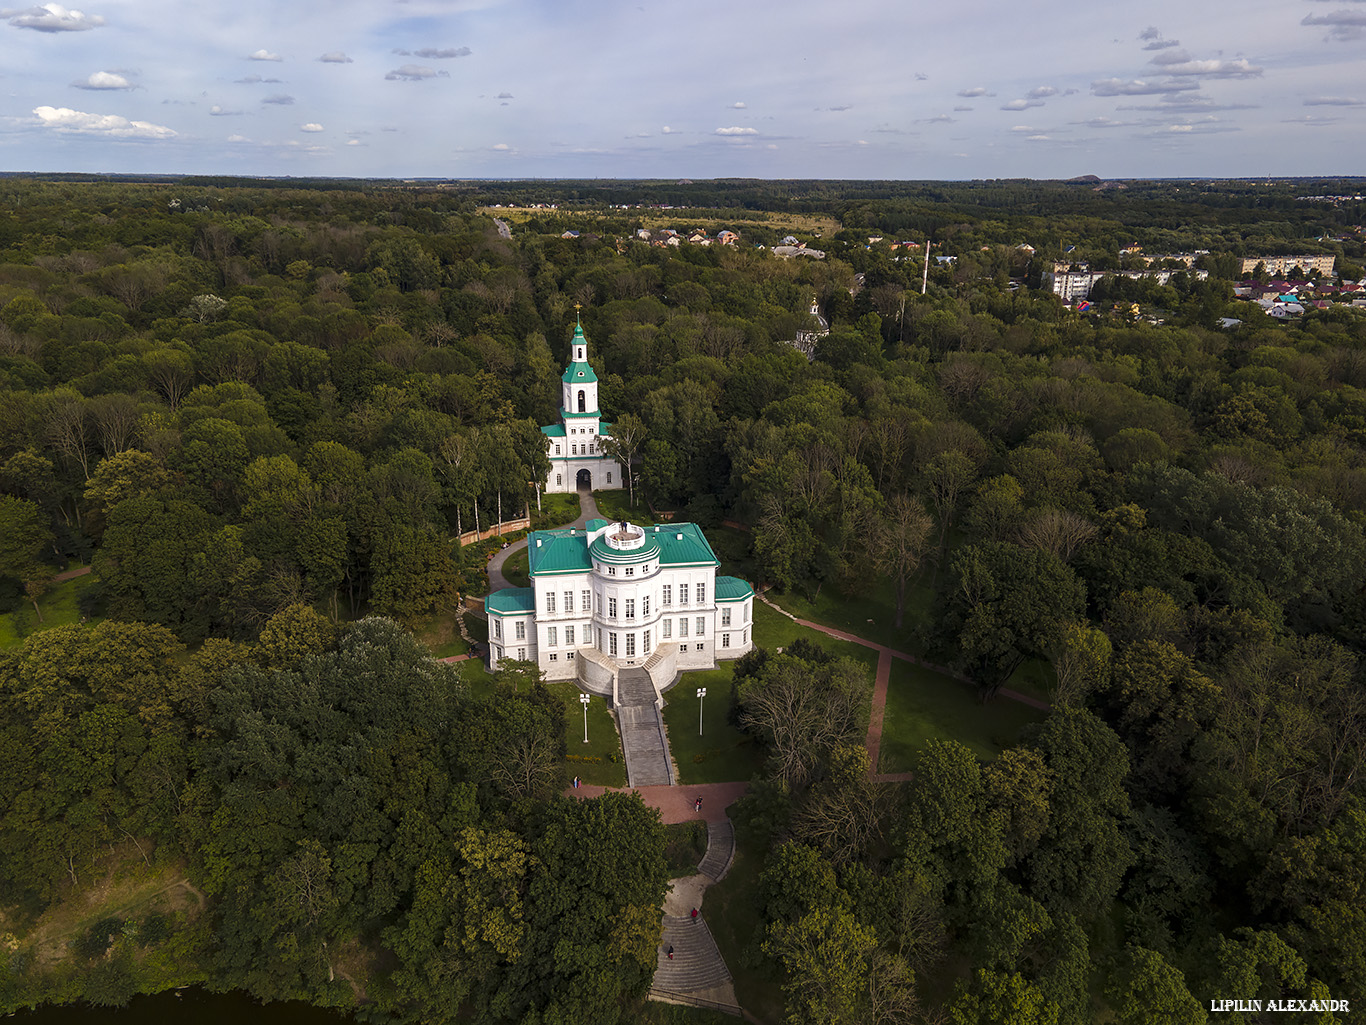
[575, 443]
[614, 595]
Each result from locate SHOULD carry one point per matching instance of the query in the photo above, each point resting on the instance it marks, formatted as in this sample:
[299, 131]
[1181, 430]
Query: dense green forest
[262, 411]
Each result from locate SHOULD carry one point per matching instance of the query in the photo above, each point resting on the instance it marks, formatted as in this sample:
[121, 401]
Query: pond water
[195, 1005]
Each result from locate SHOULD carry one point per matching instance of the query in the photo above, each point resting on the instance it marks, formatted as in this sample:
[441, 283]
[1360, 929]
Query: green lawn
[723, 753]
[655, 1013]
[603, 740]
[556, 510]
[1034, 677]
[685, 844]
[773, 630]
[923, 705]
[58, 607]
[616, 505]
[517, 569]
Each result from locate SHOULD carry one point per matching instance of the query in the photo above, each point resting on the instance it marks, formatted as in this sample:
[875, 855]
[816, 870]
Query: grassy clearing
[604, 743]
[655, 1013]
[556, 510]
[923, 705]
[685, 843]
[59, 608]
[517, 569]
[722, 754]
[773, 630]
[733, 915]
[616, 505]
[1034, 677]
[441, 635]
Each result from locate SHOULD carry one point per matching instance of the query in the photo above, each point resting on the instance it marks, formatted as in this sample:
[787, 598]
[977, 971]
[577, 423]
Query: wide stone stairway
[642, 732]
[696, 974]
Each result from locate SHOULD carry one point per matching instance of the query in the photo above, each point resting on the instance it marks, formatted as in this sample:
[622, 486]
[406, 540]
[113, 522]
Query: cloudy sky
[703, 88]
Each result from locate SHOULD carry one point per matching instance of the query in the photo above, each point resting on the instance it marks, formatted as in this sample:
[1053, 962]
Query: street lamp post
[583, 700]
[701, 693]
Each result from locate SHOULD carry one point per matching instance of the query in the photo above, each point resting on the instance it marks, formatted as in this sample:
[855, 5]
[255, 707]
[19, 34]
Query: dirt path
[884, 675]
[70, 574]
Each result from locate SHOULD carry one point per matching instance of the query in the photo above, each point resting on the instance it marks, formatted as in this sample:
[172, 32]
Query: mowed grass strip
[604, 743]
[722, 754]
[923, 705]
[59, 607]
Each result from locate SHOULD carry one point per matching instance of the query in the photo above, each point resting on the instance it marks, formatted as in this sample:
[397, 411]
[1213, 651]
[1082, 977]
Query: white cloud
[974, 92]
[961, 108]
[104, 80]
[736, 130]
[217, 111]
[1180, 128]
[1021, 104]
[738, 106]
[666, 130]
[506, 96]
[78, 122]
[279, 100]
[433, 54]
[51, 18]
[335, 57]
[312, 126]
[414, 73]
[238, 138]
[1138, 87]
[1179, 62]
[264, 55]
[502, 147]
[1333, 101]
[1039, 92]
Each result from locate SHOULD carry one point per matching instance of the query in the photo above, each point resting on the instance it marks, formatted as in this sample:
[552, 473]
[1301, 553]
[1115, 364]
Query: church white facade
[577, 460]
[616, 595]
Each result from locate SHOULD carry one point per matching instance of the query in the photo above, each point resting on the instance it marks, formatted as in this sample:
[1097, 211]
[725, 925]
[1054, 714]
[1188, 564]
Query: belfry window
[583, 401]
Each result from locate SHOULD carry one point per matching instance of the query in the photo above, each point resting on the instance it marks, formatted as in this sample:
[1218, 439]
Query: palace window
[569, 601]
[645, 643]
[554, 657]
[682, 647]
[584, 595]
[630, 571]
[630, 608]
[611, 571]
[521, 654]
[569, 636]
[599, 605]
[699, 647]
[497, 652]
[521, 630]
[611, 608]
[630, 645]
[550, 603]
[559, 479]
[612, 642]
[701, 594]
[667, 594]
[645, 607]
[682, 626]
[557, 450]
[725, 640]
[550, 637]
[668, 628]
[498, 628]
[701, 626]
[682, 594]
[609, 476]
[725, 617]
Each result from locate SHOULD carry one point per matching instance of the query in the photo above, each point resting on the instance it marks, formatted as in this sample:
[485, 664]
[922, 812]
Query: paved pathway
[676, 803]
[696, 973]
[71, 574]
[884, 673]
[642, 734]
[588, 510]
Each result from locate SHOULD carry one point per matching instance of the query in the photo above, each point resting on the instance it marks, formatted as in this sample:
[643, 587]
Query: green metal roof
[732, 589]
[554, 430]
[579, 373]
[559, 551]
[566, 413]
[566, 551]
[511, 601]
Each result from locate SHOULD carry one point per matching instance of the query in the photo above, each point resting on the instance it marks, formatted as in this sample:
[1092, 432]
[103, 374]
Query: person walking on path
[697, 806]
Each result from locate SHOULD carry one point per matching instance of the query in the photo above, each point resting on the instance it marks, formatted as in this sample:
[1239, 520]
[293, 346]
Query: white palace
[614, 595]
[577, 460]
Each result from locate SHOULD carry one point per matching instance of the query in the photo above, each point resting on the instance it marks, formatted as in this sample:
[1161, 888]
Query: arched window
[582, 400]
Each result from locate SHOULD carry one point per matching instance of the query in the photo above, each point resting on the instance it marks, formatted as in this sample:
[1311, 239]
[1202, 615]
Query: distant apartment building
[1280, 265]
[1073, 285]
